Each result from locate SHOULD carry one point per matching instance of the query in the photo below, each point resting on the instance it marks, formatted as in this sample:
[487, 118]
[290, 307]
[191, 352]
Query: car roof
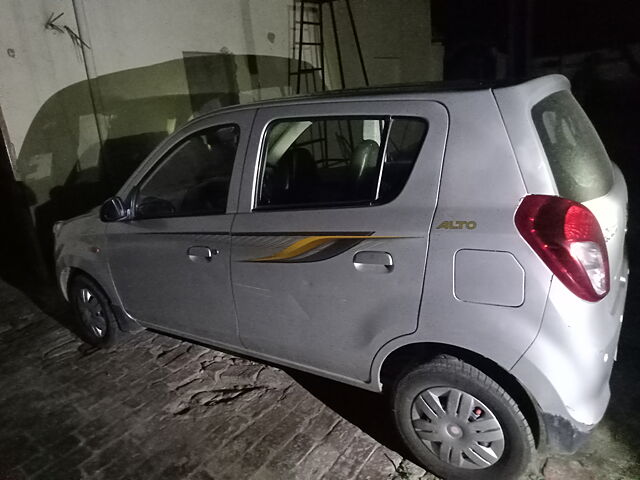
[387, 92]
[362, 93]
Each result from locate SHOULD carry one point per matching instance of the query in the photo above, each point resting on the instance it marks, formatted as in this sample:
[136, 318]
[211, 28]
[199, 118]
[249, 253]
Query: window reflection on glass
[579, 162]
[338, 161]
[194, 177]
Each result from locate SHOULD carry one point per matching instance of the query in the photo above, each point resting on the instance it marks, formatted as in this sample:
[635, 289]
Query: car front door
[329, 244]
[170, 262]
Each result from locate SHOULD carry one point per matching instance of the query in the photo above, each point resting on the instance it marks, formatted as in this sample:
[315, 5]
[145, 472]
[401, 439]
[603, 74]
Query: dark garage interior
[89, 89]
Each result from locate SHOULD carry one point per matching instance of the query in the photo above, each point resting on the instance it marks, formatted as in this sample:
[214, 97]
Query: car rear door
[170, 263]
[329, 249]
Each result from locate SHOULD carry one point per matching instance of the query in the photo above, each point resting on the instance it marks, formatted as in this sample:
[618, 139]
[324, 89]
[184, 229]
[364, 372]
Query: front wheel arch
[124, 323]
[94, 318]
[75, 272]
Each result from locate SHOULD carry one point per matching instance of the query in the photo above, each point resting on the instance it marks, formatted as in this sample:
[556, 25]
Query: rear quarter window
[578, 160]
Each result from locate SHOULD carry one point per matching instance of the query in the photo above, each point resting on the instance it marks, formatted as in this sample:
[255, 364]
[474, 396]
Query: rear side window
[310, 163]
[579, 163]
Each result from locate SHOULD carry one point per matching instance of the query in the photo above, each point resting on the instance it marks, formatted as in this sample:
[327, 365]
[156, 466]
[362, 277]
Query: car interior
[338, 161]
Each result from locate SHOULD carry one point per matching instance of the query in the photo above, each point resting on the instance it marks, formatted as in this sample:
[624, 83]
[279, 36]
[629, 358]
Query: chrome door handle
[375, 262]
[201, 254]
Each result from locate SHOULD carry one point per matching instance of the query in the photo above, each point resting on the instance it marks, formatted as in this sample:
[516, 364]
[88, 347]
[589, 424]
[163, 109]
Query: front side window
[194, 177]
[338, 161]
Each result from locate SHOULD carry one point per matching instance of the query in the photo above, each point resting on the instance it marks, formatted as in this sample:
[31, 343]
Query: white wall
[136, 52]
[140, 82]
[41, 63]
[154, 31]
[123, 34]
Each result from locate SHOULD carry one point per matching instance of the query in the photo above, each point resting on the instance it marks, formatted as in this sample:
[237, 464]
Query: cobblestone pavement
[155, 407]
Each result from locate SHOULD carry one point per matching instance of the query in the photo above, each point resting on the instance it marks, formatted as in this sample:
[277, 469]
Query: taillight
[568, 238]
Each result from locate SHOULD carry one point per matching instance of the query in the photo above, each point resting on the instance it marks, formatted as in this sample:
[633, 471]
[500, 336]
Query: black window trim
[133, 196]
[257, 190]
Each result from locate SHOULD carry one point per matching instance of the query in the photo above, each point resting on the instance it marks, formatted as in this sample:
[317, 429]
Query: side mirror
[113, 210]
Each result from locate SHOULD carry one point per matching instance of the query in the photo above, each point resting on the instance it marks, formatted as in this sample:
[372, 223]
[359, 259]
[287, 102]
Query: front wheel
[95, 321]
[460, 424]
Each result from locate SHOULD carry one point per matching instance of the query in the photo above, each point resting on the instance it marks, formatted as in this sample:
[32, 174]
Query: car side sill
[260, 357]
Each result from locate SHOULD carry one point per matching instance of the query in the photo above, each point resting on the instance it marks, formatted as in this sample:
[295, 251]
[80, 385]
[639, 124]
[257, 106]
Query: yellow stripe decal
[309, 243]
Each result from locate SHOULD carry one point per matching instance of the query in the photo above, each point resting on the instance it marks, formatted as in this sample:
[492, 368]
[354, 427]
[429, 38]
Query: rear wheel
[95, 321]
[460, 424]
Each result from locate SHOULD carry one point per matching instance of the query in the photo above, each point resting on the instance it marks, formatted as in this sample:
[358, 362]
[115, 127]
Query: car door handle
[374, 262]
[201, 254]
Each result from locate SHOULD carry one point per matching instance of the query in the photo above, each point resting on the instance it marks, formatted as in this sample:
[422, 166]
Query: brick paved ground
[155, 408]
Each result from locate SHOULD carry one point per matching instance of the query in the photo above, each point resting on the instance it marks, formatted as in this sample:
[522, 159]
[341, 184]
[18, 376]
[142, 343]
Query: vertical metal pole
[337, 42]
[325, 146]
[340, 66]
[90, 68]
[321, 27]
[293, 51]
[355, 36]
[315, 57]
[300, 44]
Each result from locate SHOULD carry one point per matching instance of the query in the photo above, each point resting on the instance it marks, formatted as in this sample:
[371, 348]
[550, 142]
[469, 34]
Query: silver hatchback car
[462, 250]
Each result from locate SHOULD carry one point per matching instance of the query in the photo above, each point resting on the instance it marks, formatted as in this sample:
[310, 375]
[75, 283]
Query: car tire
[95, 321]
[430, 404]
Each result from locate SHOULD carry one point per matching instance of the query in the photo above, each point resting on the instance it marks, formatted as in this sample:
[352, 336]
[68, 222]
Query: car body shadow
[369, 411]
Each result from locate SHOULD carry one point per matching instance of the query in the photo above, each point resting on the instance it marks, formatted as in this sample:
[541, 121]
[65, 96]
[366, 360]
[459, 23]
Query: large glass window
[338, 161]
[579, 163]
[194, 177]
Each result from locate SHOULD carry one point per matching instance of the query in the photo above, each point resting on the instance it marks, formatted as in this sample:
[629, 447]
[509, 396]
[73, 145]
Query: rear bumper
[567, 368]
[562, 435]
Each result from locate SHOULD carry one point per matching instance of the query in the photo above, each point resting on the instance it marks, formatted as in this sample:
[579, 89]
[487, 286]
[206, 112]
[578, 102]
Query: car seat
[363, 169]
[295, 177]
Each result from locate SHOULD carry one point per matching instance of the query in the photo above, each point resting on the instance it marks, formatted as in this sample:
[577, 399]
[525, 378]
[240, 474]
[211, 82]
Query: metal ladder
[300, 21]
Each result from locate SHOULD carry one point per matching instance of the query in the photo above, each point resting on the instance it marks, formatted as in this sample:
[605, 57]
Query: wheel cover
[91, 312]
[457, 428]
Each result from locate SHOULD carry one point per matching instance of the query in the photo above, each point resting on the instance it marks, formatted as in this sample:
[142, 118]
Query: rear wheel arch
[411, 355]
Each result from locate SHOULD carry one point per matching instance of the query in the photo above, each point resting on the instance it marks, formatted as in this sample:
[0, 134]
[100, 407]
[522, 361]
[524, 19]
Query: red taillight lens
[568, 238]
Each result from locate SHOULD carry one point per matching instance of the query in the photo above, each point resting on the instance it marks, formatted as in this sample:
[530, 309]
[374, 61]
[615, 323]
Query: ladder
[301, 22]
